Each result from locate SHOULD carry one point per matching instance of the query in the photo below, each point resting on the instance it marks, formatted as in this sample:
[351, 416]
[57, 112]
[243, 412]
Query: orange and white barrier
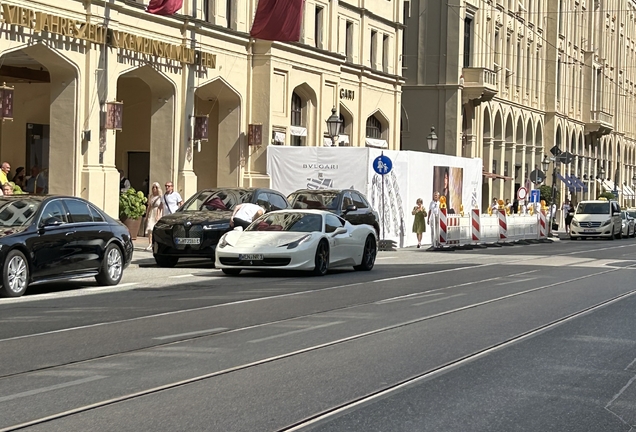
[475, 224]
[503, 225]
[443, 226]
[543, 225]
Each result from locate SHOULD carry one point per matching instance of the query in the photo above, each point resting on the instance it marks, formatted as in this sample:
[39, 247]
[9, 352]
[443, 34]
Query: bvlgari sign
[45, 22]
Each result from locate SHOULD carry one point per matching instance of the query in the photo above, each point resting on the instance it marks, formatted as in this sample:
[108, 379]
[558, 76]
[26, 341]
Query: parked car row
[196, 230]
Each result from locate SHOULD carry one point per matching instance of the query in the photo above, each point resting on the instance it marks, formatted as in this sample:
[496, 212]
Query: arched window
[374, 128]
[296, 117]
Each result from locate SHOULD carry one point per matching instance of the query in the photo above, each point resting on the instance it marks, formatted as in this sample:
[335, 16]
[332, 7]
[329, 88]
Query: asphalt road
[520, 338]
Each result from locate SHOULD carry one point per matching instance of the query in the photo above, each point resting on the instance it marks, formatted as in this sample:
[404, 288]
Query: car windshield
[17, 213]
[293, 222]
[314, 200]
[214, 200]
[632, 214]
[593, 208]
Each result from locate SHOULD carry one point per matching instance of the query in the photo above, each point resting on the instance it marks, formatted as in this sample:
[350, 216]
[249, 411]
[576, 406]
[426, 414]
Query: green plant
[132, 204]
[608, 195]
[546, 194]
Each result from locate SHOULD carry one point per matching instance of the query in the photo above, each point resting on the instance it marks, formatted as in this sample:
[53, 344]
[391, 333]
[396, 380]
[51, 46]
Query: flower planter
[132, 225]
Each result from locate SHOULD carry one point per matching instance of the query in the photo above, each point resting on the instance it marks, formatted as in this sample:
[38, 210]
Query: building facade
[103, 85]
[508, 80]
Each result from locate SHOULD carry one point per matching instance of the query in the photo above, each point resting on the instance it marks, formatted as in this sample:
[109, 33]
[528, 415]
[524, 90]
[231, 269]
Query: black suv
[347, 203]
[195, 229]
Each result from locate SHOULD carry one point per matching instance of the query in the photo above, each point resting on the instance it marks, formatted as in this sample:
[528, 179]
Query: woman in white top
[154, 211]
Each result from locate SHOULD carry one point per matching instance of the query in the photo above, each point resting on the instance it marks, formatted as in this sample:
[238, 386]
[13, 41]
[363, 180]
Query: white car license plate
[589, 230]
[186, 241]
[251, 257]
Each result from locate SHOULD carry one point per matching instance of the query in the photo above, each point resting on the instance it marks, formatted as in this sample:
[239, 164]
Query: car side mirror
[50, 222]
[350, 208]
[340, 230]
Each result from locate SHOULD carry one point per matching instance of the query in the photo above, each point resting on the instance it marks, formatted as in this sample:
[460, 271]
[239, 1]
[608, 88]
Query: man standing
[4, 173]
[171, 200]
[433, 212]
[124, 183]
[40, 187]
[244, 214]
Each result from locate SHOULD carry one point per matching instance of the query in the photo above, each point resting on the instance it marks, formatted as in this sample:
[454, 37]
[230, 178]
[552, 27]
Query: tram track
[351, 403]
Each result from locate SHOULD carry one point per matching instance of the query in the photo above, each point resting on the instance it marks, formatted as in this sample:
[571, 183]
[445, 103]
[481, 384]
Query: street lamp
[545, 163]
[601, 173]
[431, 139]
[333, 126]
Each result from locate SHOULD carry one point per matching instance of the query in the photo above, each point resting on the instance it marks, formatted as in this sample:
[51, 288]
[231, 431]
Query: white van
[598, 218]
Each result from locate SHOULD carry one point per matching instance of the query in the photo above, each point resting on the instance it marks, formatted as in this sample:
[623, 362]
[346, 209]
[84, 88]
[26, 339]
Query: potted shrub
[132, 207]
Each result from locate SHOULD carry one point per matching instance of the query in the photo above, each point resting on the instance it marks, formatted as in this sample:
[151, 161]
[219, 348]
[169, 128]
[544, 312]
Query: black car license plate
[187, 241]
[251, 257]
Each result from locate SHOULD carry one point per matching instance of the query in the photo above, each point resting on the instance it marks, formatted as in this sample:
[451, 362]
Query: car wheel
[322, 259]
[15, 275]
[368, 255]
[231, 271]
[112, 267]
[166, 261]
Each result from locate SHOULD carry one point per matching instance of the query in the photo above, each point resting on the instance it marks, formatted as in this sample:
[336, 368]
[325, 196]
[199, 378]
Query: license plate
[589, 231]
[186, 241]
[251, 257]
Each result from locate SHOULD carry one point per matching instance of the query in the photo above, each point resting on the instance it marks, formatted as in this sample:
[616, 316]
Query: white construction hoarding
[414, 175]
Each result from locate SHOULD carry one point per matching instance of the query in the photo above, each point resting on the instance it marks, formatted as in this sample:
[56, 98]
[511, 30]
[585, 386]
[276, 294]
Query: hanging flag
[278, 20]
[164, 7]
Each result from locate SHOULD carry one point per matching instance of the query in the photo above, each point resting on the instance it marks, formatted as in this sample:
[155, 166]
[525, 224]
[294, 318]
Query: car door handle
[71, 232]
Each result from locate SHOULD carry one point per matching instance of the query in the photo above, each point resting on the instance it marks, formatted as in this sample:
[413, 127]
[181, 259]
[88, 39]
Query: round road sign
[522, 193]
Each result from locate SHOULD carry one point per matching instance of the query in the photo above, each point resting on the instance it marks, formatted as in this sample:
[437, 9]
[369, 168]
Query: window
[560, 16]
[518, 71]
[349, 41]
[468, 30]
[262, 199]
[318, 27]
[78, 211]
[228, 12]
[359, 201]
[296, 117]
[277, 202]
[346, 200]
[385, 53]
[497, 50]
[54, 212]
[528, 67]
[374, 49]
[559, 79]
[374, 127]
[97, 216]
[332, 223]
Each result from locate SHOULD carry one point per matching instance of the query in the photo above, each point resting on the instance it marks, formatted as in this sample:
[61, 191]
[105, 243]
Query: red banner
[278, 20]
[164, 7]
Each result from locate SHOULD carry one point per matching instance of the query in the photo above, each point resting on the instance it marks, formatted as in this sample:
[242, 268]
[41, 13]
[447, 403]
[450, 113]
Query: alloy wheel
[17, 274]
[369, 252]
[323, 258]
[114, 264]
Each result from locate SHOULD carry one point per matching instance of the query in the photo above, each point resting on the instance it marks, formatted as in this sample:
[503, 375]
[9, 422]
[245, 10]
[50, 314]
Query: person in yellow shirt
[4, 172]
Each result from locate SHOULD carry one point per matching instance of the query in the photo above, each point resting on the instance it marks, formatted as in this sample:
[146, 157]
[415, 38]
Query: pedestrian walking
[419, 224]
[171, 200]
[568, 213]
[433, 213]
[124, 183]
[154, 211]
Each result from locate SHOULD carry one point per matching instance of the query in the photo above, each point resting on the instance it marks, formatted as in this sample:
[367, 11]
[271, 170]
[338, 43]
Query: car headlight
[297, 243]
[575, 223]
[607, 222]
[223, 242]
[217, 227]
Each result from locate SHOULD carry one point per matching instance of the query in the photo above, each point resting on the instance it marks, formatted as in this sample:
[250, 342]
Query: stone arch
[538, 136]
[47, 101]
[348, 128]
[216, 162]
[487, 131]
[308, 115]
[520, 131]
[509, 129]
[558, 138]
[498, 127]
[383, 121]
[149, 100]
[529, 133]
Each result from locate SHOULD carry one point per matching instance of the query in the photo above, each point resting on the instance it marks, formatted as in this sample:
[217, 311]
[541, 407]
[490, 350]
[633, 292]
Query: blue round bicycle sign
[382, 165]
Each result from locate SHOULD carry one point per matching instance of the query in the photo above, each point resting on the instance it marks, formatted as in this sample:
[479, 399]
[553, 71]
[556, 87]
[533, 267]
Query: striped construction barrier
[503, 225]
[543, 225]
[454, 233]
[475, 223]
[443, 225]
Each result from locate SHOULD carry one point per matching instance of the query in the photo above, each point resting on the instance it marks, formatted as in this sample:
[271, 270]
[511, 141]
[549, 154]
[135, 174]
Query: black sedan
[43, 239]
[346, 203]
[194, 230]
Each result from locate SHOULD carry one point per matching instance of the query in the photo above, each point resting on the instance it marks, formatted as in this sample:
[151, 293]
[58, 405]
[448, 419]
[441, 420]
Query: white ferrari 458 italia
[310, 240]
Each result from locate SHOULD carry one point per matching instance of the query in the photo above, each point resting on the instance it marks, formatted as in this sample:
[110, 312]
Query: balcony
[480, 85]
[600, 123]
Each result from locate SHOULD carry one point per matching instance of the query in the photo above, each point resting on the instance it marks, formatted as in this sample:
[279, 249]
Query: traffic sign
[537, 176]
[565, 158]
[522, 193]
[382, 165]
[555, 151]
[535, 196]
